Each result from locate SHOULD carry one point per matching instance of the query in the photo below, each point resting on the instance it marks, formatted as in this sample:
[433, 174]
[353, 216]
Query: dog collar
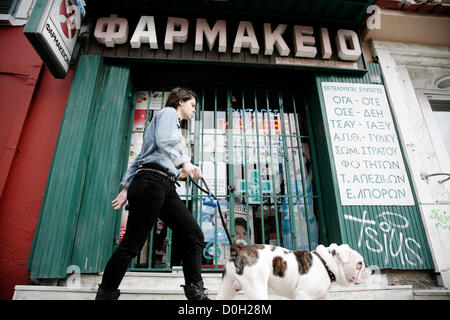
[330, 274]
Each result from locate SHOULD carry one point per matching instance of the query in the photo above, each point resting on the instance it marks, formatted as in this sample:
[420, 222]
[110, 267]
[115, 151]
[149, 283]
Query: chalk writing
[386, 234]
[74, 280]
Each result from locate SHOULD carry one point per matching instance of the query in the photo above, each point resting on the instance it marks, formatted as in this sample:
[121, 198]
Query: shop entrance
[256, 153]
[252, 137]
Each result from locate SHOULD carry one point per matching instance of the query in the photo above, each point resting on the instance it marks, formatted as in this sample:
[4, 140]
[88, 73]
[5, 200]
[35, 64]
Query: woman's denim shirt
[163, 145]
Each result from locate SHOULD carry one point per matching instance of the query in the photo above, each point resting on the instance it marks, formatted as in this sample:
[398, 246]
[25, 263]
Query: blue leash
[212, 201]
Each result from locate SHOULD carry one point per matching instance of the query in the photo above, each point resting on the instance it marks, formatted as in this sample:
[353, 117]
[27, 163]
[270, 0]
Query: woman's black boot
[103, 294]
[195, 291]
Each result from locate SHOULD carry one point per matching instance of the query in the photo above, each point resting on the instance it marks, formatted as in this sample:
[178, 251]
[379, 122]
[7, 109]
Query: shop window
[441, 113]
[254, 142]
[5, 6]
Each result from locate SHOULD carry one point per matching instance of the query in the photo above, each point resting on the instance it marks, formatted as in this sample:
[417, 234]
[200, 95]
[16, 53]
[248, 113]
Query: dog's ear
[343, 252]
[235, 249]
[332, 249]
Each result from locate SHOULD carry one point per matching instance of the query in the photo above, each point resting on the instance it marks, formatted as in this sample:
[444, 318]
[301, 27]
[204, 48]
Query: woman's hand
[120, 200]
[192, 171]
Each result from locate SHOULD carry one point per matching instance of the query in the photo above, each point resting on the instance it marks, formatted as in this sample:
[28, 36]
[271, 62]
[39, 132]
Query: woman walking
[149, 187]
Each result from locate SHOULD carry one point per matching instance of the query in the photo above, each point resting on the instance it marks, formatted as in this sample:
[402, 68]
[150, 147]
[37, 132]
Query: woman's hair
[178, 94]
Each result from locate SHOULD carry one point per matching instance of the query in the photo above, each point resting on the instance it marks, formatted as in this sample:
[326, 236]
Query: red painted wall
[32, 105]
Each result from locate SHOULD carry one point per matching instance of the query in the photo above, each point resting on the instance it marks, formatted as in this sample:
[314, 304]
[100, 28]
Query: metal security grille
[256, 155]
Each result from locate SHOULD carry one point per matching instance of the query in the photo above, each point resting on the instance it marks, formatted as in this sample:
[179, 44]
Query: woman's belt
[144, 168]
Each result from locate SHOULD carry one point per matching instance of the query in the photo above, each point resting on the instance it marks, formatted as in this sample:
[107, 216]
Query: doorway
[253, 143]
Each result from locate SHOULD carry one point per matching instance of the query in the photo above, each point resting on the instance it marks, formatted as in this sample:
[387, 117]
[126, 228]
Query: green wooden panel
[53, 241]
[97, 219]
[327, 179]
[35, 16]
[387, 236]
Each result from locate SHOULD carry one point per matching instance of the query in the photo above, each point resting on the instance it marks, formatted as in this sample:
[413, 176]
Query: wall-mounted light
[426, 176]
[443, 82]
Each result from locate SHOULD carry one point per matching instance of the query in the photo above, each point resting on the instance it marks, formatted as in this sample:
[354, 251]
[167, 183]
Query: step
[23, 292]
[143, 280]
[400, 292]
[66, 293]
[432, 294]
[173, 280]
[375, 281]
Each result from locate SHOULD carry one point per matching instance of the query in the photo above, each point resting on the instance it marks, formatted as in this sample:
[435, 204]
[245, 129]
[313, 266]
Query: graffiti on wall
[388, 237]
[442, 220]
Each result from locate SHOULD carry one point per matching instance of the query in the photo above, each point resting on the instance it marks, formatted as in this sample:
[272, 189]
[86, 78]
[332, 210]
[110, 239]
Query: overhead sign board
[227, 41]
[53, 30]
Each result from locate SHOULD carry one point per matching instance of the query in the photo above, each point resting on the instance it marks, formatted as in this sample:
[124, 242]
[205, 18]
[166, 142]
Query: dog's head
[350, 262]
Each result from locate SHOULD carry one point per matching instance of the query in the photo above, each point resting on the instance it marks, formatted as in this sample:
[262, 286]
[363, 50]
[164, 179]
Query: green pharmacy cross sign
[53, 30]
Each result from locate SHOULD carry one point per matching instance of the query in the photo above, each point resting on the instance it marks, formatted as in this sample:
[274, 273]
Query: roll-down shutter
[77, 224]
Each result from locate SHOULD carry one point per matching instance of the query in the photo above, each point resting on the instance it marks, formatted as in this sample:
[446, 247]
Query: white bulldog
[294, 274]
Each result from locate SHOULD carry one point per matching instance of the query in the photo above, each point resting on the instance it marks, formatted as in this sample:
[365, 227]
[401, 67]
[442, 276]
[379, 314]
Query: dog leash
[213, 203]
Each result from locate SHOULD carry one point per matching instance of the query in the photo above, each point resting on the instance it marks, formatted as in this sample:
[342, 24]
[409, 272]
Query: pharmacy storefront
[294, 133]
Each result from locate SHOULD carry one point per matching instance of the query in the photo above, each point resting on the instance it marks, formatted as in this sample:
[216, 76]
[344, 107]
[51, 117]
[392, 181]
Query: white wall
[410, 73]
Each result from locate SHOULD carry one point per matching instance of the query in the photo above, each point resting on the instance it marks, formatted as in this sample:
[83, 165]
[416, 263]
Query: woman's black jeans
[152, 196]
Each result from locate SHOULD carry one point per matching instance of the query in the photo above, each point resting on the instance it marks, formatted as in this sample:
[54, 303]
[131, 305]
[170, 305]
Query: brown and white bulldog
[259, 269]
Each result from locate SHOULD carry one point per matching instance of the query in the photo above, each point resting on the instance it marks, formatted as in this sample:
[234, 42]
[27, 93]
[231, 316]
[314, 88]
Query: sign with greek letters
[369, 164]
[291, 45]
[55, 35]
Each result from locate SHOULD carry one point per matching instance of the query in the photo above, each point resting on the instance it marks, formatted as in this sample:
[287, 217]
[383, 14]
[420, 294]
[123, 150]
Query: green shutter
[383, 248]
[87, 149]
[96, 223]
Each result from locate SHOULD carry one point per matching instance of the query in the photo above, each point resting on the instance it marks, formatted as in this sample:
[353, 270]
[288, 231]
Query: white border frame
[433, 129]
[421, 139]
